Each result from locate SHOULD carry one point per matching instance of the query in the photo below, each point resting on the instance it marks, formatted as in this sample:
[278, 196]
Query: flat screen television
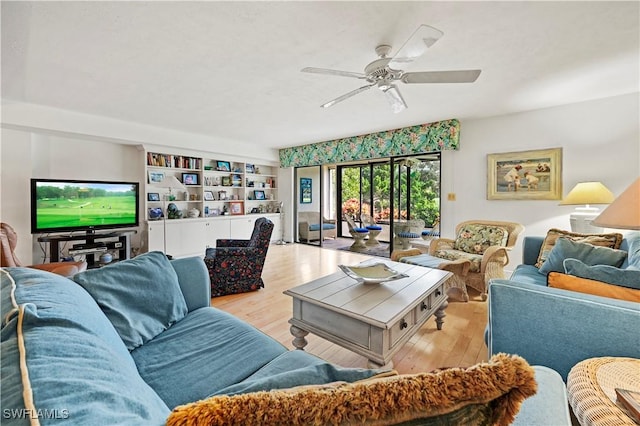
[60, 205]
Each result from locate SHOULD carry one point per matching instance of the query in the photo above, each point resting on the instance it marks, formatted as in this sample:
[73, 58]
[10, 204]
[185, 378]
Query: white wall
[600, 141]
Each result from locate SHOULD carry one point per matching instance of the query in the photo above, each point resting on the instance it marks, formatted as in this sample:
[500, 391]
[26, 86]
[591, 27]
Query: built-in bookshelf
[208, 189]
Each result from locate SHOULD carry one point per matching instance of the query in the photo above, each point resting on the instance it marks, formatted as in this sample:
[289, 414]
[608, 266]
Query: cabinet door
[186, 238]
[218, 229]
[155, 236]
[242, 228]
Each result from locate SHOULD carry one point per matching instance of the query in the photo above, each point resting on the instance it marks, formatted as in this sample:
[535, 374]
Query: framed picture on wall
[525, 175]
[305, 191]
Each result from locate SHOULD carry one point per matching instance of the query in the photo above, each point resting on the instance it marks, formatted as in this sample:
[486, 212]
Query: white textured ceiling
[232, 69]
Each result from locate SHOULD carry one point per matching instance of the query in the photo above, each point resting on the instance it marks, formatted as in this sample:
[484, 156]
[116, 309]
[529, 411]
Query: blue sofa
[554, 327]
[82, 370]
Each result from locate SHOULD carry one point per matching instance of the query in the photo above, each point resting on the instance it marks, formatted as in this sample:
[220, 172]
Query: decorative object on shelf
[526, 175]
[208, 195]
[155, 177]
[193, 213]
[259, 195]
[173, 212]
[249, 168]
[155, 213]
[624, 212]
[305, 191]
[224, 166]
[171, 183]
[222, 195]
[214, 212]
[236, 208]
[153, 196]
[226, 181]
[584, 194]
[236, 180]
[105, 258]
[190, 178]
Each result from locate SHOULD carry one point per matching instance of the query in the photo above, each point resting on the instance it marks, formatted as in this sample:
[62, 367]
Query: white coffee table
[373, 320]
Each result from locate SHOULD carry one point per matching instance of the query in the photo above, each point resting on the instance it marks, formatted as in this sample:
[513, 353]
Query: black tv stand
[94, 245]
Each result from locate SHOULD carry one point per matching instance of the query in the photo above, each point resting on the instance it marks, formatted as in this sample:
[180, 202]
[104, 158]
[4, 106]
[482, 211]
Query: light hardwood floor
[460, 343]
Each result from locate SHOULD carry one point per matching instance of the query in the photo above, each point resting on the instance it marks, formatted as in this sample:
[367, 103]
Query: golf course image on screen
[64, 205]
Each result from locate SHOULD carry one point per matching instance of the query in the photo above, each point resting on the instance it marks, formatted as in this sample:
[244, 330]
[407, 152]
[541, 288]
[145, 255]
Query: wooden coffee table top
[377, 304]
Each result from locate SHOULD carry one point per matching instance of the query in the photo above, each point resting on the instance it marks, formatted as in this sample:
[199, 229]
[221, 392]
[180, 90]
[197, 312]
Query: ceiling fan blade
[333, 72]
[462, 76]
[347, 95]
[422, 38]
[394, 97]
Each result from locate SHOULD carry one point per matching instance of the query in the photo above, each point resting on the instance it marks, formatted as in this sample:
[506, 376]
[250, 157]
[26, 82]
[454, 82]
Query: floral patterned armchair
[235, 266]
[485, 244]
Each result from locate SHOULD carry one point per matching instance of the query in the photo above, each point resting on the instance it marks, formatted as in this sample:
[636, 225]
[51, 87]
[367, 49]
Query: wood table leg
[440, 314]
[299, 341]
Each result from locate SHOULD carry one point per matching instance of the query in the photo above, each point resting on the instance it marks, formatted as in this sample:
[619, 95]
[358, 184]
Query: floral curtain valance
[438, 136]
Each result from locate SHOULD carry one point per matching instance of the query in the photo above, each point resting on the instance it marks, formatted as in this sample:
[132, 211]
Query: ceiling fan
[383, 72]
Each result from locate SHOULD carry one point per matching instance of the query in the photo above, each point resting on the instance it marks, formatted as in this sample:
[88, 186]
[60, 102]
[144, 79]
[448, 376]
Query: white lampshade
[585, 194]
[624, 212]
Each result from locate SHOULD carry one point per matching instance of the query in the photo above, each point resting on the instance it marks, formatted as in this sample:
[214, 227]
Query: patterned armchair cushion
[475, 259]
[476, 238]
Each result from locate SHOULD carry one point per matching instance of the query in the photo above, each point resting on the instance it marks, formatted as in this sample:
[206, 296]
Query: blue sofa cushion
[141, 297]
[528, 274]
[191, 360]
[316, 226]
[612, 240]
[629, 277]
[77, 365]
[566, 248]
[296, 368]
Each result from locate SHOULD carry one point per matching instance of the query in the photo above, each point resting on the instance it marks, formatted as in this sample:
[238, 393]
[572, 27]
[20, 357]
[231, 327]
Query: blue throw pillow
[634, 250]
[141, 297]
[629, 277]
[566, 248]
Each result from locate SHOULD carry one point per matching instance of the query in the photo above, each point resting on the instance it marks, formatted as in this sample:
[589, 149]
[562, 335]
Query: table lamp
[585, 194]
[624, 212]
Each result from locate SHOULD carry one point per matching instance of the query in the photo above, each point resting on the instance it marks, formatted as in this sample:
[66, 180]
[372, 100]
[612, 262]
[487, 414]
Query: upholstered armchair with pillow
[235, 266]
[485, 244]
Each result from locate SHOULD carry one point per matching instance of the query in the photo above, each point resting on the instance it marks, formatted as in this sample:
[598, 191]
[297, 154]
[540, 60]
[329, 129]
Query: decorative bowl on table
[375, 273]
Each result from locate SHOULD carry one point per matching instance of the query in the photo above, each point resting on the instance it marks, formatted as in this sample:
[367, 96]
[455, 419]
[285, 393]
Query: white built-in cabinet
[221, 200]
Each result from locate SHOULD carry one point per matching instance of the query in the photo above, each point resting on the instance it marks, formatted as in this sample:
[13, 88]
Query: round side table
[591, 388]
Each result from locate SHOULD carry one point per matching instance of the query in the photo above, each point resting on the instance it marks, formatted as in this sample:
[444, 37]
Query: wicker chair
[485, 244]
[358, 233]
